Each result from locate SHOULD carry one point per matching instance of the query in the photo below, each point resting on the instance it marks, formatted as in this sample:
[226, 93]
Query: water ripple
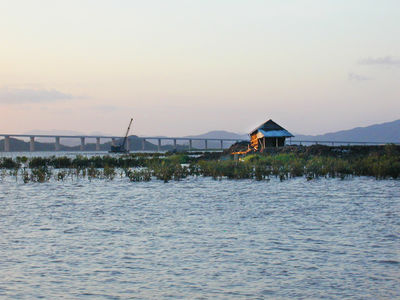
[200, 238]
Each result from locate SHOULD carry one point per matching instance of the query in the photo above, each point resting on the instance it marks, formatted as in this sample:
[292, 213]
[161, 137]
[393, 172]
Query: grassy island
[381, 162]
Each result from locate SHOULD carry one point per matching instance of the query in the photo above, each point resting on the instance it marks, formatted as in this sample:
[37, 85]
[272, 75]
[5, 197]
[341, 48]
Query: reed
[40, 174]
[138, 175]
[381, 163]
[8, 163]
[109, 172]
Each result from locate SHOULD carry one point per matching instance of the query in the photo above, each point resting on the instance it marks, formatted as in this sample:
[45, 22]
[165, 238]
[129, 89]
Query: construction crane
[121, 147]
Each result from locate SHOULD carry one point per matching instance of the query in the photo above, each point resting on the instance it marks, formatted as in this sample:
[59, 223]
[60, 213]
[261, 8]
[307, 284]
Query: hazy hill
[386, 133]
[217, 134]
[221, 134]
[20, 145]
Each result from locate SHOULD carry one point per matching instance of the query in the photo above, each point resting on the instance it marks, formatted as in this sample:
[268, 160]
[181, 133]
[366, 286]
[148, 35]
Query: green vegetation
[380, 162]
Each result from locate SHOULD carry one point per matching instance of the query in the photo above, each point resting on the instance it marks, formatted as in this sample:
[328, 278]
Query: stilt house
[268, 134]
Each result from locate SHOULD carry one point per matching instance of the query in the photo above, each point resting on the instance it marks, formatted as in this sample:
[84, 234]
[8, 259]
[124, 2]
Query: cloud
[358, 77]
[380, 61]
[19, 96]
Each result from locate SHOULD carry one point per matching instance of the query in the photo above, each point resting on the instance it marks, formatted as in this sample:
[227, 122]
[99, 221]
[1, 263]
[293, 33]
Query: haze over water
[188, 67]
[200, 238]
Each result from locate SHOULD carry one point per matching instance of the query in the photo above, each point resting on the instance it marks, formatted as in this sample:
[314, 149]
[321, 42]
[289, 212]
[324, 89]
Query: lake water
[200, 238]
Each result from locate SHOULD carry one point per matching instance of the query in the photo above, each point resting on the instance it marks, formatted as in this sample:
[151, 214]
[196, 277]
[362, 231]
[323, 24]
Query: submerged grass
[176, 166]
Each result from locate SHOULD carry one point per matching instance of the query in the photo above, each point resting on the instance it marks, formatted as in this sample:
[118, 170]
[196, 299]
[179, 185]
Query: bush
[37, 162]
[8, 163]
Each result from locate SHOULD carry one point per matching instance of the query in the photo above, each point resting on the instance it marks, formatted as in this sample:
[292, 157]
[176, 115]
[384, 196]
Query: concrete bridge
[83, 138]
[205, 141]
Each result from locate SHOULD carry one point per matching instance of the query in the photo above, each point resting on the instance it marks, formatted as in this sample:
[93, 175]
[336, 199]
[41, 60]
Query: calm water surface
[200, 238]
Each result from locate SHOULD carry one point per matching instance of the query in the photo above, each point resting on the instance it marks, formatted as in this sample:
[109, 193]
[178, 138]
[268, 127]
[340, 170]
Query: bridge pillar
[159, 145]
[175, 144]
[113, 141]
[32, 143]
[128, 144]
[190, 145]
[7, 143]
[143, 144]
[97, 144]
[82, 143]
[222, 144]
[205, 144]
[57, 144]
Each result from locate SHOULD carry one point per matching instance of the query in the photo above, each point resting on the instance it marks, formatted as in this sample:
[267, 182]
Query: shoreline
[311, 162]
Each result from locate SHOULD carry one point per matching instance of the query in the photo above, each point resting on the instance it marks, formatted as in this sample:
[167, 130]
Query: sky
[189, 67]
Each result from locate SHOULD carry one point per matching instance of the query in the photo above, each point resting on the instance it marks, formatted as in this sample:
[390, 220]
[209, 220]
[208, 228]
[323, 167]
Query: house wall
[271, 142]
[254, 141]
[259, 143]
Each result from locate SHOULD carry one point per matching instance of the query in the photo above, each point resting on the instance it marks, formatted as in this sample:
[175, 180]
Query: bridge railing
[57, 144]
[223, 143]
[336, 143]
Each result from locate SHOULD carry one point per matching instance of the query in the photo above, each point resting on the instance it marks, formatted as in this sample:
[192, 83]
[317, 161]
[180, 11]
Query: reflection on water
[200, 238]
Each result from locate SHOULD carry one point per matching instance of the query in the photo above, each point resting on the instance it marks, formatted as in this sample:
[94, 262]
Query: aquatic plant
[261, 172]
[21, 159]
[25, 175]
[109, 172]
[37, 162]
[93, 172]
[138, 175]
[61, 175]
[40, 174]
[312, 162]
[8, 163]
[178, 158]
[60, 162]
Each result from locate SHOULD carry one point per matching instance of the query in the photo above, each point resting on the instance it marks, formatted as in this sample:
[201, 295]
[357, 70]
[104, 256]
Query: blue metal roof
[271, 129]
[275, 133]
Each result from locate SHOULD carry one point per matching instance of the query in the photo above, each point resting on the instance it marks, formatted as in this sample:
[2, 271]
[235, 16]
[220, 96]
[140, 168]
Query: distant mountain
[220, 134]
[217, 134]
[135, 144]
[384, 133]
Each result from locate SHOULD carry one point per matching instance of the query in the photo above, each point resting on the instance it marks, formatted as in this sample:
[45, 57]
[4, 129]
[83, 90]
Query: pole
[7, 143]
[32, 144]
[97, 144]
[57, 144]
[82, 143]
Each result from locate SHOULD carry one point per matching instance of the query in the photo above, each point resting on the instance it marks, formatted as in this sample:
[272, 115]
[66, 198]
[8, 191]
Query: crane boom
[121, 147]
[126, 134]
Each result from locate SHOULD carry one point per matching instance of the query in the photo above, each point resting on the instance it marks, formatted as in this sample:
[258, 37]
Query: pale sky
[188, 67]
